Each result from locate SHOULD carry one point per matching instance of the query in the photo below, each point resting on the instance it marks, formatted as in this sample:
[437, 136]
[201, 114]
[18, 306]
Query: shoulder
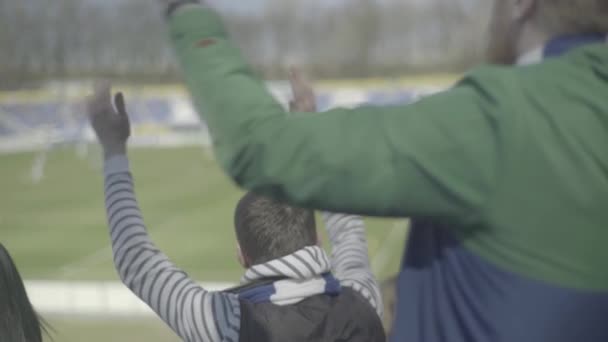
[332, 316]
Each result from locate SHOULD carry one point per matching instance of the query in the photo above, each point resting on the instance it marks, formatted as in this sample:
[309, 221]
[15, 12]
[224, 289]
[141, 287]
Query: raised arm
[349, 256]
[192, 312]
[436, 158]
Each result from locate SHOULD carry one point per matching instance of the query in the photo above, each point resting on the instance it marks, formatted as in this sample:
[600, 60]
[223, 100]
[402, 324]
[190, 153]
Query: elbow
[246, 162]
[123, 276]
[123, 271]
[237, 163]
[249, 152]
[251, 170]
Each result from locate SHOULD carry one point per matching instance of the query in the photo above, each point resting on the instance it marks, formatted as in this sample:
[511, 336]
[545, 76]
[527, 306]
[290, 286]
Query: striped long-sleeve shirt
[194, 313]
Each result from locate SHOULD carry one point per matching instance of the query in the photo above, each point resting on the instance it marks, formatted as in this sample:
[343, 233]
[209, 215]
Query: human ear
[240, 257]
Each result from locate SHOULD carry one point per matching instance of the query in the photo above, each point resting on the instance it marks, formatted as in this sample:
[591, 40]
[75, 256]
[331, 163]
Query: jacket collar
[559, 46]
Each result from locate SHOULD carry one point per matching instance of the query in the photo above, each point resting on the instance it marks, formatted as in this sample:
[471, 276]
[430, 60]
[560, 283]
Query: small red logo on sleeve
[205, 42]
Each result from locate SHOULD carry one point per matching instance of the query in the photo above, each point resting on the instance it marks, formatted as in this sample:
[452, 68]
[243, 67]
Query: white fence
[108, 299]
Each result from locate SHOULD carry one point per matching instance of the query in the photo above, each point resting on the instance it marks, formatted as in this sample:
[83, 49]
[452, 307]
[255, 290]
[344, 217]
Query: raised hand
[303, 94]
[110, 123]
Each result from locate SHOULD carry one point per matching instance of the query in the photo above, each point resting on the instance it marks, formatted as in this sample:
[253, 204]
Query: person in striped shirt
[291, 290]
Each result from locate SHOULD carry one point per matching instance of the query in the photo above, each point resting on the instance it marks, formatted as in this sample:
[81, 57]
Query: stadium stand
[165, 118]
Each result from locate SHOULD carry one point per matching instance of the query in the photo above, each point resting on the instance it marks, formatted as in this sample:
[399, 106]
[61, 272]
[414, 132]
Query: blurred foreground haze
[52, 214]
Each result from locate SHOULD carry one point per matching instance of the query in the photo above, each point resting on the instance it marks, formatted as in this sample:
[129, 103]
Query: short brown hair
[267, 229]
[573, 16]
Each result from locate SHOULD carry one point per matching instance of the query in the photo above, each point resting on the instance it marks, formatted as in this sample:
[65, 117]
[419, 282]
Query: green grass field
[56, 229]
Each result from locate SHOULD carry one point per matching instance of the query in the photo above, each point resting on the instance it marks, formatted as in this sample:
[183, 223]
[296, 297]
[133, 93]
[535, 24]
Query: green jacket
[515, 159]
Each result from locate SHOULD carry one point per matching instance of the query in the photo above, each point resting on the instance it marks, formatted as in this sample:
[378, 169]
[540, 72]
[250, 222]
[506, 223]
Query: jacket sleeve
[437, 157]
[194, 313]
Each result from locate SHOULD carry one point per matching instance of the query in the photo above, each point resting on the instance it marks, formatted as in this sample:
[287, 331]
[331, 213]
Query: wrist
[114, 150]
[116, 164]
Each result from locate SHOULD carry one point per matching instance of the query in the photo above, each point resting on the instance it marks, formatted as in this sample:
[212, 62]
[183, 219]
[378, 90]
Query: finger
[299, 84]
[121, 108]
[304, 96]
[296, 80]
[119, 103]
[102, 93]
[101, 98]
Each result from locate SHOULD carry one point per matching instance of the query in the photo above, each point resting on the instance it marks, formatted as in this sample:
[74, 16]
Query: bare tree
[75, 38]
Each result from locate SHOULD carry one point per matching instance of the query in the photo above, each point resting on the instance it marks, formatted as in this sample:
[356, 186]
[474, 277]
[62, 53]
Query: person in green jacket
[505, 174]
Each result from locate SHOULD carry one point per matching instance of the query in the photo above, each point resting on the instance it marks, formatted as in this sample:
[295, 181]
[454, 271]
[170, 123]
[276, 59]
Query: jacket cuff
[174, 5]
[191, 23]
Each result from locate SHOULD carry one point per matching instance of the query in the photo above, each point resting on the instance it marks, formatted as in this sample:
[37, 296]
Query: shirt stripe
[350, 258]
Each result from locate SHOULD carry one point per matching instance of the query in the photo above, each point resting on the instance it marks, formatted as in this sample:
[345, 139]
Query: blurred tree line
[41, 39]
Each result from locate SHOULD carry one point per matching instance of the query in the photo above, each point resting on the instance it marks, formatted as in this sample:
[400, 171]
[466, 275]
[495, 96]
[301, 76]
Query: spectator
[505, 175]
[19, 322]
[289, 292]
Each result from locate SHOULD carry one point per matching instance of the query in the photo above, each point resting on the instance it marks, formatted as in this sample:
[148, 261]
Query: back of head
[18, 320]
[558, 17]
[267, 229]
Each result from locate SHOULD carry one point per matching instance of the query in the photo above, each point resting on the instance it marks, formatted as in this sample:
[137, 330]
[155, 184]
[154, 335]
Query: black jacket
[346, 317]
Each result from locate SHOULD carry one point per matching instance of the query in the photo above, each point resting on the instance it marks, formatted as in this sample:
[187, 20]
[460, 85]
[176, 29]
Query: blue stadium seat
[142, 111]
[324, 101]
[5, 131]
[391, 97]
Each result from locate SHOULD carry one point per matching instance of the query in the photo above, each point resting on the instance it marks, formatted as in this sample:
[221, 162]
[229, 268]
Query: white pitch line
[386, 249]
[105, 253]
[86, 262]
[101, 255]
[94, 299]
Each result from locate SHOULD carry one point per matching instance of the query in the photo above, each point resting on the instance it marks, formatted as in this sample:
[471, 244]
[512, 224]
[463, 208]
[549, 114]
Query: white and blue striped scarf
[305, 273]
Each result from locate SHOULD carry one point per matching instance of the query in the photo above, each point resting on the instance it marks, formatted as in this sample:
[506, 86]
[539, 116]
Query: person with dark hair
[267, 229]
[505, 174]
[19, 322]
[291, 290]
